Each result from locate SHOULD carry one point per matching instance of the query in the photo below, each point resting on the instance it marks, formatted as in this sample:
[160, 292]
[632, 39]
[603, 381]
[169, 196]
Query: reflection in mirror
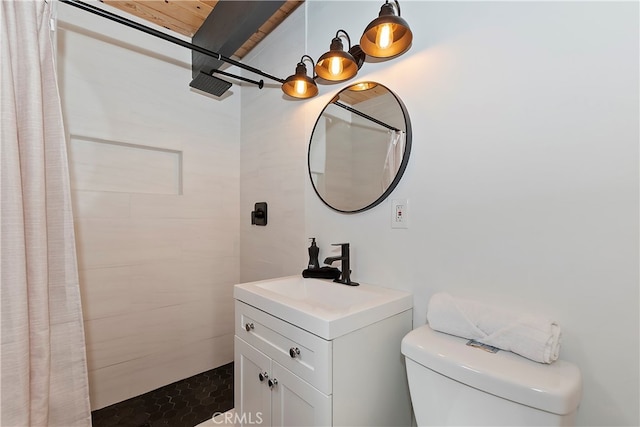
[359, 147]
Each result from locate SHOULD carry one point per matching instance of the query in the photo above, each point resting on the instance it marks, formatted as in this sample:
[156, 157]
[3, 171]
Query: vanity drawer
[279, 339]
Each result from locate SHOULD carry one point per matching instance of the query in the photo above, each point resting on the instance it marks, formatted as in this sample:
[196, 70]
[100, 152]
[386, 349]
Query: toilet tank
[452, 383]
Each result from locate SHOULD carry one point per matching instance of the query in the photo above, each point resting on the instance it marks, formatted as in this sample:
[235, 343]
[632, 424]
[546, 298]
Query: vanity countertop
[322, 307]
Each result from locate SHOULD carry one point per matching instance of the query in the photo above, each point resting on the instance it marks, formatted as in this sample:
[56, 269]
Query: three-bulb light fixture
[387, 36]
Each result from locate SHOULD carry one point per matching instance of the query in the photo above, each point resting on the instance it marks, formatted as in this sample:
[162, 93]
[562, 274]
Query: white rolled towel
[534, 337]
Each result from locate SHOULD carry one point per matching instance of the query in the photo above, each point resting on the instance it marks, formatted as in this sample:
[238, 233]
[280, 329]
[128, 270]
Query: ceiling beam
[228, 27]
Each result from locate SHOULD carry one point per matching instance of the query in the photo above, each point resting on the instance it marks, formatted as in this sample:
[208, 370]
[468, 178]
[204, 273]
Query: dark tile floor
[185, 403]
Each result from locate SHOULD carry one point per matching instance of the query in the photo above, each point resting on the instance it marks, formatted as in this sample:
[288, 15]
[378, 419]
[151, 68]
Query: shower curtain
[43, 365]
[393, 160]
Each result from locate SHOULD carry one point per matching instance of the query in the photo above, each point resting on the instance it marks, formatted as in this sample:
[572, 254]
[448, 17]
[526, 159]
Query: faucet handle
[344, 248]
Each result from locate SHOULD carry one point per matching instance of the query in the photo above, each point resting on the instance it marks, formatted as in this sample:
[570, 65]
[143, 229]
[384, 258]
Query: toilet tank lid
[555, 388]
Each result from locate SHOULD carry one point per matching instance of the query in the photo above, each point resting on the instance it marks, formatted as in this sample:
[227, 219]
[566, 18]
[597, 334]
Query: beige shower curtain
[43, 365]
[393, 160]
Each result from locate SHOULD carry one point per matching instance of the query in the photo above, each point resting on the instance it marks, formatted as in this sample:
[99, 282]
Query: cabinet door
[251, 393]
[295, 402]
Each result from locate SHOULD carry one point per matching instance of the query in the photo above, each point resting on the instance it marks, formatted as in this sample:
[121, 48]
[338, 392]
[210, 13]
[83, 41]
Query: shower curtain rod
[260, 83]
[365, 116]
[124, 21]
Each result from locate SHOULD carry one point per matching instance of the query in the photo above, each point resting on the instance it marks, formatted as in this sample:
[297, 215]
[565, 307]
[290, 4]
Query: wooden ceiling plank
[142, 10]
[178, 11]
[187, 16]
[196, 8]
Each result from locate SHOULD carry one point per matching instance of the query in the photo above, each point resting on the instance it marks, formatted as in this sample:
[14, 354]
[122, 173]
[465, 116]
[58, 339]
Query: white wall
[273, 165]
[155, 179]
[523, 177]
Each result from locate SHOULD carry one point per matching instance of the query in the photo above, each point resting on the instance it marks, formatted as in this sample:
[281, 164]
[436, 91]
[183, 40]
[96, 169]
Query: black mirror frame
[403, 164]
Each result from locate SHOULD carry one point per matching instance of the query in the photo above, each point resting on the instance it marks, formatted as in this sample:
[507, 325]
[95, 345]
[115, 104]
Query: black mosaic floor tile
[184, 403]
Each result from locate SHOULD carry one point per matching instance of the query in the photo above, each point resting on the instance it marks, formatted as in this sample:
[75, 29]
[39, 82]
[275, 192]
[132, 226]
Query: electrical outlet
[400, 213]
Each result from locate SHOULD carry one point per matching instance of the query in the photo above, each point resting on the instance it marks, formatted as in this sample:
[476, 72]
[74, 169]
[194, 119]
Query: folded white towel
[536, 338]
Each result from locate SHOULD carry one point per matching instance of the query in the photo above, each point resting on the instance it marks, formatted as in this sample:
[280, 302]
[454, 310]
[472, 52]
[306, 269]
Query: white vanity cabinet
[288, 376]
[272, 386]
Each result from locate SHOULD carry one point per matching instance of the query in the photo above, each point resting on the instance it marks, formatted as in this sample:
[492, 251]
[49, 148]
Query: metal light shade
[300, 85]
[388, 35]
[362, 86]
[336, 65]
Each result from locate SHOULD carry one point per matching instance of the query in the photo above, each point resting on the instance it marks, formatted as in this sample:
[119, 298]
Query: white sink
[323, 307]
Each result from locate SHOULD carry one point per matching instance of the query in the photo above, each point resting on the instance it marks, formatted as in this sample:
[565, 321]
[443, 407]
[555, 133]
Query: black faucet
[345, 277]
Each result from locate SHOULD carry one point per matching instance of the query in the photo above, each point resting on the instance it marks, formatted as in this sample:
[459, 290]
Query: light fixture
[338, 65]
[362, 86]
[299, 85]
[388, 35]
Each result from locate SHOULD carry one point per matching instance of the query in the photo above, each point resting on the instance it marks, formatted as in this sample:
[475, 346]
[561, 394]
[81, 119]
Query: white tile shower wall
[523, 178]
[273, 170]
[156, 270]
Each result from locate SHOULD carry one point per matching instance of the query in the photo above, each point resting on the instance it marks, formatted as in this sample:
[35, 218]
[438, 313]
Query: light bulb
[335, 66]
[384, 37]
[300, 87]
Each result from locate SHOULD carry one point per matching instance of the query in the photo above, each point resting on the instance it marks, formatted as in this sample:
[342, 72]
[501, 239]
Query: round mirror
[359, 147]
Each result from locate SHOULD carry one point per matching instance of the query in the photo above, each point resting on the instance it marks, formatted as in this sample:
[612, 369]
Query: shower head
[210, 84]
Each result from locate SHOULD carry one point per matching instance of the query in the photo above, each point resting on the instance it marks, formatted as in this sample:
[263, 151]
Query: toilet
[452, 383]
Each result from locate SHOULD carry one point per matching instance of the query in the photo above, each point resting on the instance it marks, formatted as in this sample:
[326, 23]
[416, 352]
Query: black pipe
[260, 83]
[366, 116]
[124, 21]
